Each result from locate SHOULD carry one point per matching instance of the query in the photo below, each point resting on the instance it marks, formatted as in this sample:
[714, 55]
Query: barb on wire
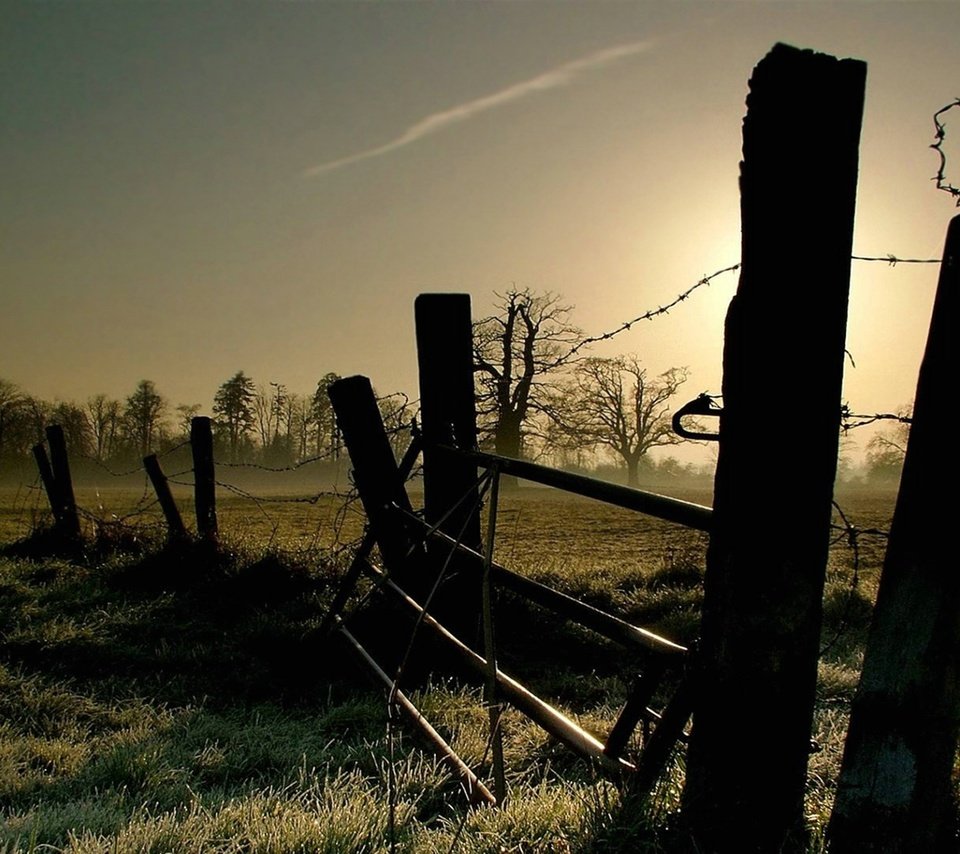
[332, 453]
[940, 134]
[893, 260]
[849, 533]
[651, 313]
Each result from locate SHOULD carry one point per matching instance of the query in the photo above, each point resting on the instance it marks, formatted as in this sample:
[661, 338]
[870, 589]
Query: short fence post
[448, 414]
[375, 470]
[68, 521]
[170, 510]
[204, 477]
[46, 477]
[766, 561]
[895, 793]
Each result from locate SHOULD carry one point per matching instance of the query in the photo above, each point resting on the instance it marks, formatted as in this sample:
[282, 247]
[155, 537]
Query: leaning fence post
[767, 559]
[67, 520]
[448, 414]
[46, 478]
[204, 476]
[162, 487]
[375, 470]
[895, 793]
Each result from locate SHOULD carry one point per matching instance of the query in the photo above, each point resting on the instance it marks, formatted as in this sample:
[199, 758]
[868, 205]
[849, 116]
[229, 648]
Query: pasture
[155, 701]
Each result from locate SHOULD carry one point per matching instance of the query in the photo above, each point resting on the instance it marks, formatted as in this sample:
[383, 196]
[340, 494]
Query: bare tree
[614, 404]
[105, 415]
[518, 353]
[11, 416]
[887, 449]
[186, 412]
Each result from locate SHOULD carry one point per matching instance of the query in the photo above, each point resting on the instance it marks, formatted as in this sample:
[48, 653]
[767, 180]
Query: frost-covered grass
[156, 700]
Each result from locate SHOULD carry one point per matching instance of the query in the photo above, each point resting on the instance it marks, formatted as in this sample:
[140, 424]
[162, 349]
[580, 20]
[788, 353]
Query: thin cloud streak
[562, 75]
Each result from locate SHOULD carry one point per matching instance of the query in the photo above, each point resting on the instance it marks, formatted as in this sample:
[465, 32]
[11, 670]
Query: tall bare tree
[518, 353]
[614, 404]
[105, 415]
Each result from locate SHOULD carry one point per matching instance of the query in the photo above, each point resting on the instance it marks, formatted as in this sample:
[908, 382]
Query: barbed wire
[851, 534]
[940, 135]
[650, 314]
[852, 420]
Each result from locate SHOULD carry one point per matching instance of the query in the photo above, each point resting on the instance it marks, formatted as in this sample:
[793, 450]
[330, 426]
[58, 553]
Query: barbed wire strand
[940, 135]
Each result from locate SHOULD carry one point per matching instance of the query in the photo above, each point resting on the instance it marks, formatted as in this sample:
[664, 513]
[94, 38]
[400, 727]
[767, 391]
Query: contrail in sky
[562, 75]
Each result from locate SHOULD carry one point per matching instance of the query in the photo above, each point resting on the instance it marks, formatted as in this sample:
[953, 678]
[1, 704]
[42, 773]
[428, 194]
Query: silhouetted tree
[12, 418]
[104, 415]
[518, 353]
[614, 404]
[233, 409]
[324, 420]
[76, 426]
[397, 413]
[143, 417]
[887, 448]
[186, 412]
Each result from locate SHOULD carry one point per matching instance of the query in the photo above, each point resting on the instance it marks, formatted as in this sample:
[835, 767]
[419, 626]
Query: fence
[763, 593]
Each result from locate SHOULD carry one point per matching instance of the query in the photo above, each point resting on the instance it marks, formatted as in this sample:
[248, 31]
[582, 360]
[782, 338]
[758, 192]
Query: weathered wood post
[204, 477]
[46, 478]
[67, 519]
[171, 512]
[448, 414]
[448, 417]
[895, 793]
[784, 345]
[375, 471]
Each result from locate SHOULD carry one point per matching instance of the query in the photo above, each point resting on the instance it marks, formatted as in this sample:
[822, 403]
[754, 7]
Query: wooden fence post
[375, 470]
[170, 510]
[67, 520]
[894, 793]
[448, 414]
[204, 477]
[783, 351]
[46, 478]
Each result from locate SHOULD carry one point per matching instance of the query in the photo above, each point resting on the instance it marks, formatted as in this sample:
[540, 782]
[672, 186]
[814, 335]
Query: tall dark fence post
[170, 510]
[784, 345]
[895, 793]
[67, 519]
[448, 414]
[375, 470]
[204, 477]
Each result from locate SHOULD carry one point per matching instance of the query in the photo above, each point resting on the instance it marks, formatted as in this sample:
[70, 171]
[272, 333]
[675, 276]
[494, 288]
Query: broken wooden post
[375, 471]
[171, 512]
[67, 519]
[767, 559]
[204, 477]
[895, 792]
[448, 414]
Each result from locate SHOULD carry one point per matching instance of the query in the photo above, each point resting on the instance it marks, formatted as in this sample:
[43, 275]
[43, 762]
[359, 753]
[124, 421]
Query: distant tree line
[539, 395]
[263, 424]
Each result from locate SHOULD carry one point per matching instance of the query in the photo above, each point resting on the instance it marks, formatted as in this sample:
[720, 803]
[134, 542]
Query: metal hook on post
[703, 404]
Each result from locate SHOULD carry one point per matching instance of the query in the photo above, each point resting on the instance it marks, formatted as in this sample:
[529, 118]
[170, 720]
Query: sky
[195, 188]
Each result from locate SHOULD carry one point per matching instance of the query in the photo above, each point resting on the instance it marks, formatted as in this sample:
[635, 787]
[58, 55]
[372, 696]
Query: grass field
[160, 701]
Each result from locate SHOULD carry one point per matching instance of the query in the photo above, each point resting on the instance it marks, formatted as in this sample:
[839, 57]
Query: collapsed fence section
[436, 570]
